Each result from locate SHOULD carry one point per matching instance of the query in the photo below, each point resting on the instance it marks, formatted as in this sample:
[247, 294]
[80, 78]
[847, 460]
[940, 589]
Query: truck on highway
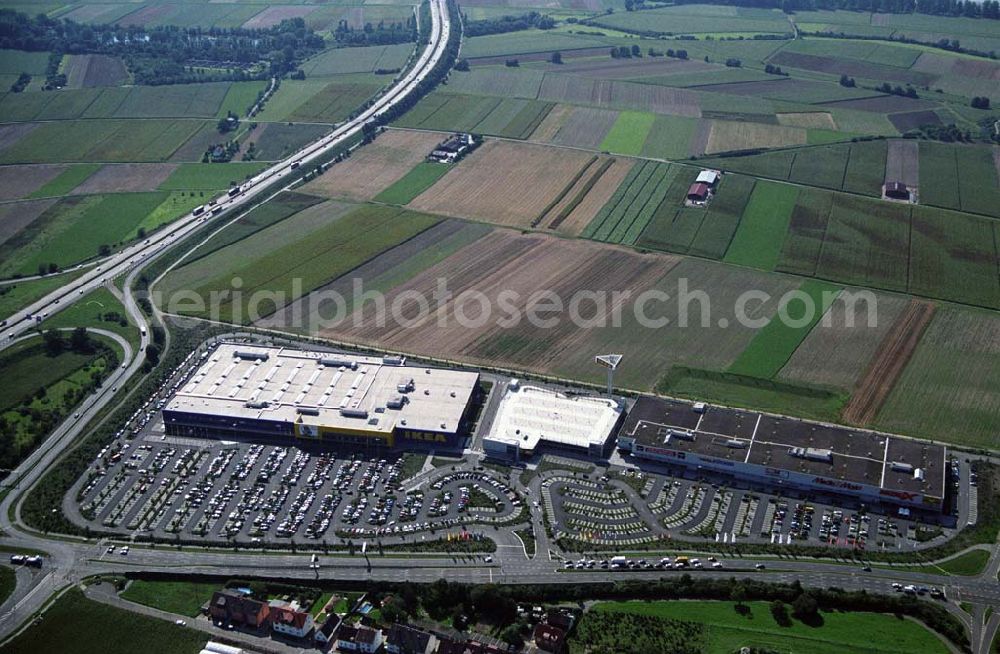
[233, 191]
[295, 164]
[618, 561]
[198, 210]
[143, 331]
[681, 562]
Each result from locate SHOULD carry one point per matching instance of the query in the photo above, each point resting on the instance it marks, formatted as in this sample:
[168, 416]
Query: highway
[70, 560]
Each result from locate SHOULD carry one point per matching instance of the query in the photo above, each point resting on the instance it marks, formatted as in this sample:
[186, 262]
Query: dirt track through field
[902, 162]
[893, 354]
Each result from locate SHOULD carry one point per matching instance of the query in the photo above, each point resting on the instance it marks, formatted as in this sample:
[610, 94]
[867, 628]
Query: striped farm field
[295, 256]
[101, 141]
[630, 209]
[852, 167]
[505, 183]
[950, 390]
[509, 117]
[916, 249]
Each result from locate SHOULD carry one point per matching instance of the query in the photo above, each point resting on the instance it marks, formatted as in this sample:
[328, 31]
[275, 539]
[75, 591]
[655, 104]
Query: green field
[116, 140]
[670, 137]
[628, 135]
[752, 393]
[692, 19]
[48, 387]
[762, 229]
[509, 117]
[284, 205]
[335, 101]
[916, 249]
[73, 229]
[287, 260]
[948, 389]
[175, 205]
[776, 342]
[209, 177]
[98, 309]
[700, 231]
[420, 178]
[76, 624]
[727, 629]
[180, 597]
[851, 167]
[66, 181]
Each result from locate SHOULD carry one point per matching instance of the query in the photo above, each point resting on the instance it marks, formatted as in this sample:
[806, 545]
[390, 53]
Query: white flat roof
[707, 176]
[528, 415]
[272, 383]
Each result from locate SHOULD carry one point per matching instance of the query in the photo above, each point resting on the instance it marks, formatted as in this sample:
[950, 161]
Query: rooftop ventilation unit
[812, 454]
[307, 411]
[248, 355]
[332, 362]
[405, 387]
[256, 404]
[348, 412]
[393, 361]
[396, 402]
[899, 466]
[682, 434]
[736, 444]
[918, 474]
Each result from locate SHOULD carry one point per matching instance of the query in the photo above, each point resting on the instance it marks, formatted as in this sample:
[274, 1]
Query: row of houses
[238, 609]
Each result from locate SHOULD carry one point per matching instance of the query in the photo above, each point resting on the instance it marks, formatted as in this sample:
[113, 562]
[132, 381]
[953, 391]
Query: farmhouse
[529, 417]
[897, 191]
[452, 148]
[698, 192]
[785, 453]
[285, 394]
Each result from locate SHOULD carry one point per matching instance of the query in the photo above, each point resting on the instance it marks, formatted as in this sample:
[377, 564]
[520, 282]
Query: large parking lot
[620, 508]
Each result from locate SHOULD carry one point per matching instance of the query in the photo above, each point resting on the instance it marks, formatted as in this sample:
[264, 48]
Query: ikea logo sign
[425, 437]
